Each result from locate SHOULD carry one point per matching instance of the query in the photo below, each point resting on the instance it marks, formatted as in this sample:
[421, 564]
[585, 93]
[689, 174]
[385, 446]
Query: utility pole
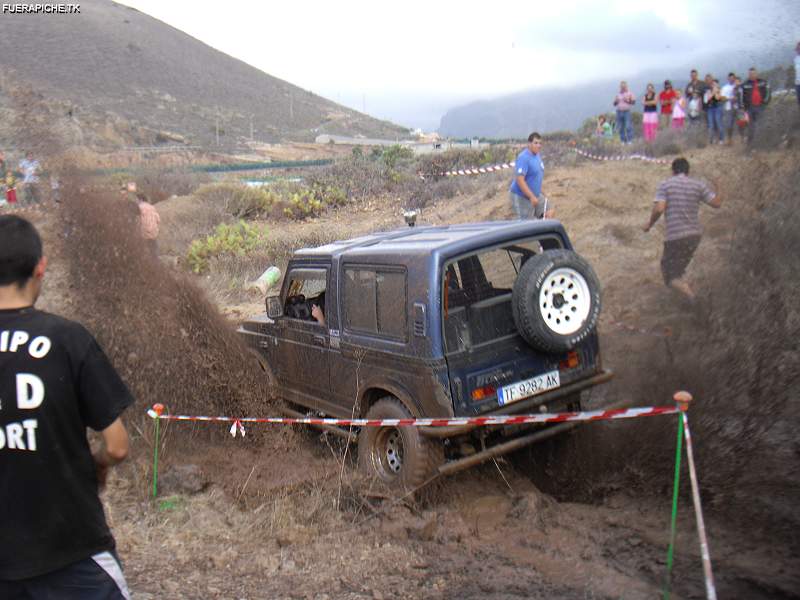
[251, 128]
[291, 107]
[216, 126]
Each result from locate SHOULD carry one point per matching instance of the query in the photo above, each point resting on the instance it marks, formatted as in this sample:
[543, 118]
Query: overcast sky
[410, 61]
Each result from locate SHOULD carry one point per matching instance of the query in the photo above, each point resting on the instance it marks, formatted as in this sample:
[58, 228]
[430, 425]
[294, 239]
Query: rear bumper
[454, 466]
[524, 406]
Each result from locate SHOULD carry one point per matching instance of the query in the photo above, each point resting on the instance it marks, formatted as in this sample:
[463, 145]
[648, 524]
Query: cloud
[626, 34]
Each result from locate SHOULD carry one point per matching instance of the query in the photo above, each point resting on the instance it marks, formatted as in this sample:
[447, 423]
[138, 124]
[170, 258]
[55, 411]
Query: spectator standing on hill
[694, 86]
[731, 105]
[742, 118]
[30, 167]
[666, 98]
[714, 102]
[650, 116]
[694, 108]
[707, 83]
[624, 102]
[55, 381]
[525, 192]
[679, 198]
[678, 111]
[755, 97]
[797, 72]
[149, 221]
[11, 188]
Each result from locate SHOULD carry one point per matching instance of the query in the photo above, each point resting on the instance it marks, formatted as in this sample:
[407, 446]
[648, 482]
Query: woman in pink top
[678, 111]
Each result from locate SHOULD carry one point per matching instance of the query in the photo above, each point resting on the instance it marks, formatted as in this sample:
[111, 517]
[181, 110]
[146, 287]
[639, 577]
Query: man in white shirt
[30, 168]
[731, 104]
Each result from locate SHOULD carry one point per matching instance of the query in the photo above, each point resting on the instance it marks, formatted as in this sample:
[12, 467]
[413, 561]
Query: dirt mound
[169, 343]
[743, 361]
[736, 352]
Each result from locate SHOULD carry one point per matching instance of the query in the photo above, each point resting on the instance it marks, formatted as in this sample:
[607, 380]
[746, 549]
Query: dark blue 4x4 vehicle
[461, 320]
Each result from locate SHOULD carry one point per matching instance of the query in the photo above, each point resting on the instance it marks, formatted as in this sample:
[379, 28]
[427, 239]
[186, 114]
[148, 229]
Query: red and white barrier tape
[473, 170]
[157, 412]
[510, 165]
[641, 157]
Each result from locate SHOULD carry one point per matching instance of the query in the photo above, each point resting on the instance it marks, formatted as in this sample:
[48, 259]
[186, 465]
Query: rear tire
[556, 300]
[400, 457]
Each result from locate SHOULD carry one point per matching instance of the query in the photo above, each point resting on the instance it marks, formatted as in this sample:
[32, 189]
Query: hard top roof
[435, 238]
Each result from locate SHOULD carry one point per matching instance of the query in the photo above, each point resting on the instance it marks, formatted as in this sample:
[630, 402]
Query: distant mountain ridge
[547, 110]
[114, 60]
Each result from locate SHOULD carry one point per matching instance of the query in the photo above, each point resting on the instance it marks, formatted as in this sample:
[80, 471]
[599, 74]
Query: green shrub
[239, 200]
[302, 204]
[237, 239]
[392, 155]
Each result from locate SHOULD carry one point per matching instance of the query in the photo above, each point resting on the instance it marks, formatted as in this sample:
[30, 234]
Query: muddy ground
[279, 514]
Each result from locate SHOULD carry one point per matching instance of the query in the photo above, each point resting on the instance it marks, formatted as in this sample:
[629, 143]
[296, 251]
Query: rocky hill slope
[112, 67]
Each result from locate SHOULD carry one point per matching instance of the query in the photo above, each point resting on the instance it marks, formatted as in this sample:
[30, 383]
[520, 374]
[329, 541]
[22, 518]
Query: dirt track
[269, 526]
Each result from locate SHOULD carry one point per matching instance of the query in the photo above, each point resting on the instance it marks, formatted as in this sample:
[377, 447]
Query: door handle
[319, 340]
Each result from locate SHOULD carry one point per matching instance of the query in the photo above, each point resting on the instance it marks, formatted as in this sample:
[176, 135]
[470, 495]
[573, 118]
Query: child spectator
[678, 111]
[694, 107]
[603, 128]
[11, 188]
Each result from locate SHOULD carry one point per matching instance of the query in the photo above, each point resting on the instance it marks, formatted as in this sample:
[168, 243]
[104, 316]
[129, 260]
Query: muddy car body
[434, 322]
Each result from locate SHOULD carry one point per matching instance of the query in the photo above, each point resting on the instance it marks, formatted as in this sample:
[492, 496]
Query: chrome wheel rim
[565, 301]
[389, 452]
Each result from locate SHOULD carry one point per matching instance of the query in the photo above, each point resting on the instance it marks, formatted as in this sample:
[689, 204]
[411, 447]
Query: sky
[411, 61]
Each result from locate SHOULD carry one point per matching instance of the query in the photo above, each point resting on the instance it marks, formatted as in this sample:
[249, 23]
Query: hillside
[112, 67]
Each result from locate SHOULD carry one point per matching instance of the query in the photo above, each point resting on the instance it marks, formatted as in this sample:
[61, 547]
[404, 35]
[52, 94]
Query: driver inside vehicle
[318, 308]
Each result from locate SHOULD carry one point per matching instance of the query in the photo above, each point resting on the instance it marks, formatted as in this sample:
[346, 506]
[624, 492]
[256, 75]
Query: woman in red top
[666, 97]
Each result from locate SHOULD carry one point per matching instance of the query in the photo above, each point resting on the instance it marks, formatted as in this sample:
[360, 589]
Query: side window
[360, 304]
[375, 301]
[305, 289]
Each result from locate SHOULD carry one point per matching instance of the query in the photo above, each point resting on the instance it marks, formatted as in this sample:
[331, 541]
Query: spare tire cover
[556, 300]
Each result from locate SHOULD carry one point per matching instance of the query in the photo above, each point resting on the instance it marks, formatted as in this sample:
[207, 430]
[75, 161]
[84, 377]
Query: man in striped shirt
[679, 198]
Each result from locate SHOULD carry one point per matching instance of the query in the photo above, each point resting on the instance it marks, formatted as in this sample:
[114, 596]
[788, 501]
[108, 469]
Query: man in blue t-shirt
[526, 188]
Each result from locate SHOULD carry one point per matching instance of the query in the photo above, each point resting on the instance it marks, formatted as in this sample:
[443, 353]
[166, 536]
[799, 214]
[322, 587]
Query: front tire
[400, 457]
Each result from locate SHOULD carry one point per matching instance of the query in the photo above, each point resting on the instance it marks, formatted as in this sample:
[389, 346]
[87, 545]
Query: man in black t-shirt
[55, 381]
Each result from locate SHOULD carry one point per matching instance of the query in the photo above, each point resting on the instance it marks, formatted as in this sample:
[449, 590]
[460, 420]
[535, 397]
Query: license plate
[529, 387]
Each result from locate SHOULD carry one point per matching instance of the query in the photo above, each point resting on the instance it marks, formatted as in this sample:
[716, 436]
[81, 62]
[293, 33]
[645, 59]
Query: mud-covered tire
[400, 457]
[556, 300]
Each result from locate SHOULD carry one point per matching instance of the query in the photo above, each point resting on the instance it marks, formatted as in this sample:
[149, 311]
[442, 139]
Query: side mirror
[274, 307]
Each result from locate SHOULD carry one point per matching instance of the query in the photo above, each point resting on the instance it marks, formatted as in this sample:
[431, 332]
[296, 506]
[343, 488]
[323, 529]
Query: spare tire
[556, 300]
